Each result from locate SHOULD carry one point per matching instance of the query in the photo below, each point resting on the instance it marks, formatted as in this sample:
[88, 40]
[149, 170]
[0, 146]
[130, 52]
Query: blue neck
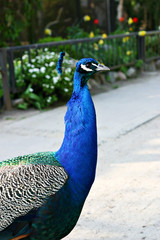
[77, 87]
[76, 82]
[78, 153]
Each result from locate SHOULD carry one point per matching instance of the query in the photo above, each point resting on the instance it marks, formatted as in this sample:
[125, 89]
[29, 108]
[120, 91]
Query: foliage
[15, 16]
[62, 13]
[50, 39]
[146, 10]
[105, 50]
[127, 25]
[39, 84]
[76, 31]
[139, 64]
[152, 44]
[111, 52]
[123, 69]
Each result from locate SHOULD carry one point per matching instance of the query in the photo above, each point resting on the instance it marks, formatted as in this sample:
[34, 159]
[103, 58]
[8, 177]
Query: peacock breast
[59, 215]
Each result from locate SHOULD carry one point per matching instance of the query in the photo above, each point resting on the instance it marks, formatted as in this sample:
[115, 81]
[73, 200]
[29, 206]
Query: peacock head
[86, 67]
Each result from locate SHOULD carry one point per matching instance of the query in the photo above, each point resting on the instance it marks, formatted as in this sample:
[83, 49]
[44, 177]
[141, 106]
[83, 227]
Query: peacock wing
[26, 185]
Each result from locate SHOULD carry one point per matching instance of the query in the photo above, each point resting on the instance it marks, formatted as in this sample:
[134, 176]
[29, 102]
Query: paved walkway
[124, 201]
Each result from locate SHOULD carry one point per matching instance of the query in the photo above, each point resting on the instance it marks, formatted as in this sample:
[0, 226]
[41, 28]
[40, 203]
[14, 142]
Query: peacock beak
[101, 67]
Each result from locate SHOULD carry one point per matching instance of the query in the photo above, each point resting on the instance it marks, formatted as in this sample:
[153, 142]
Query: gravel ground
[125, 198]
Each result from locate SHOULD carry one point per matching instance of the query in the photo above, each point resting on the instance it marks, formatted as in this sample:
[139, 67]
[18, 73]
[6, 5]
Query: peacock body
[42, 194]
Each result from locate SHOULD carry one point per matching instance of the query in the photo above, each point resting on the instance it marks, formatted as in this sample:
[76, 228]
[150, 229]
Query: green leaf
[23, 106]
[34, 96]
[38, 105]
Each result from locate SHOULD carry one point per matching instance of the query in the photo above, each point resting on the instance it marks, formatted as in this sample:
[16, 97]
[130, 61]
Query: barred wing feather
[27, 187]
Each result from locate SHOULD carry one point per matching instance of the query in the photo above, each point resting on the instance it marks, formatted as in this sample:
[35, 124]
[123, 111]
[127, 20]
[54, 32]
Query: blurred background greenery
[27, 21]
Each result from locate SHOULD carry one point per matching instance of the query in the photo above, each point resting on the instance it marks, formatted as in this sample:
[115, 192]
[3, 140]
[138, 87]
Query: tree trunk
[120, 10]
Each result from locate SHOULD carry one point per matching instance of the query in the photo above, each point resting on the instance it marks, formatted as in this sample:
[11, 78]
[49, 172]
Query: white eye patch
[85, 68]
[94, 64]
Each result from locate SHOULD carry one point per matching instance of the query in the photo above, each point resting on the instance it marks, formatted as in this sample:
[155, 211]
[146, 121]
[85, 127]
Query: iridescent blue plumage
[53, 186]
[59, 63]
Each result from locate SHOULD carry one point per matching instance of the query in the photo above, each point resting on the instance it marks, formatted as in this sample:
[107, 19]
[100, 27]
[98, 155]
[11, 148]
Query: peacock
[42, 194]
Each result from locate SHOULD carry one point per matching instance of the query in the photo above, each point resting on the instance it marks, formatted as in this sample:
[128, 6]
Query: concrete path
[124, 201]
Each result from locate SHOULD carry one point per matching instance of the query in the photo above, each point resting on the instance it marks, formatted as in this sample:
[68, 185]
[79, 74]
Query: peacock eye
[88, 65]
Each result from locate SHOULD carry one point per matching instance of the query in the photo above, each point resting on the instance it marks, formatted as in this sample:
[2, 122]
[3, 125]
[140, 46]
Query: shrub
[38, 81]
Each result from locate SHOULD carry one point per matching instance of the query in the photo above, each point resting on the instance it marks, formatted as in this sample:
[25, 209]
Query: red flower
[135, 19]
[96, 21]
[121, 19]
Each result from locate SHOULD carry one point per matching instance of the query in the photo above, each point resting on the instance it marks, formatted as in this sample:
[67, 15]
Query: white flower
[67, 78]
[33, 60]
[51, 64]
[46, 64]
[46, 49]
[36, 70]
[42, 69]
[49, 99]
[55, 79]
[45, 85]
[47, 76]
[25, 56]
[66, 61]
[69, 61]
[52, 87]
[65, 89]
[48, 57]
[68, 70]
[31, 89]
[30, 70]
[34, 75]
